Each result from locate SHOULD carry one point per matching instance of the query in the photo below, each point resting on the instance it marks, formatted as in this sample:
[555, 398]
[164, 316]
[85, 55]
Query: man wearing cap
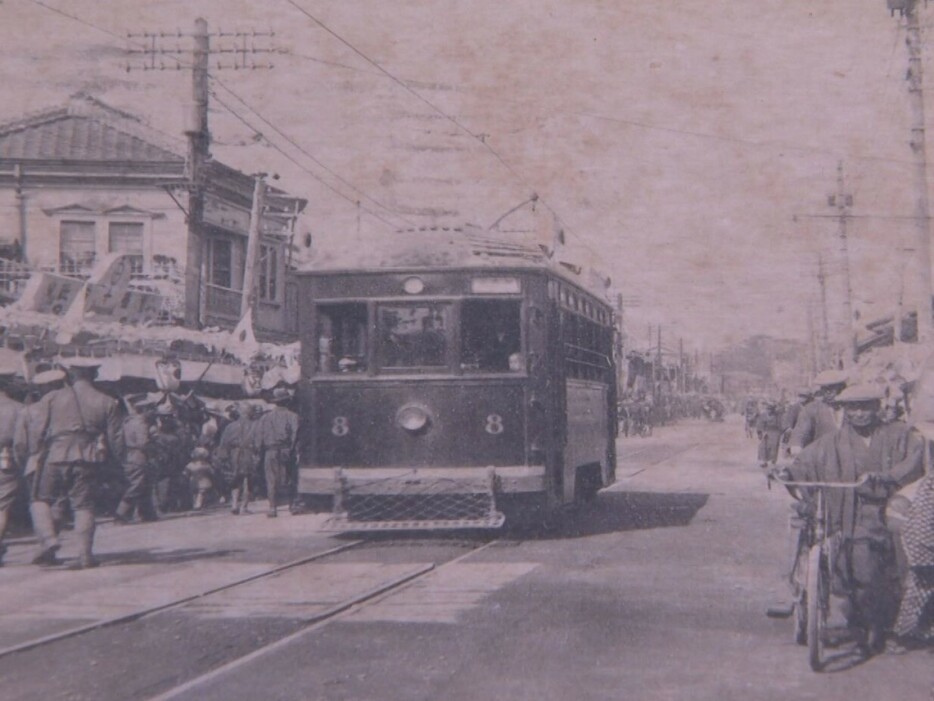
[277, 433]
[238, 453]
[890, 457]
[30, 452]
[136, 468]
[81, 428]
[9, 468]
[170, 447]
[769, 430]
[790, 417]
[818, 417]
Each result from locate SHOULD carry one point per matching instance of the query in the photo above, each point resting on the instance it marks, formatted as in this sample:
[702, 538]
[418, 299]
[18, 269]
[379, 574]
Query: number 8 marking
[494, 424]
[340, 426]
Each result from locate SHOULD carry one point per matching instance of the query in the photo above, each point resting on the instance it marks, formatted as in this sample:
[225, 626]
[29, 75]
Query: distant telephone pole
[909, 9]
[842, 202]
[155, 52]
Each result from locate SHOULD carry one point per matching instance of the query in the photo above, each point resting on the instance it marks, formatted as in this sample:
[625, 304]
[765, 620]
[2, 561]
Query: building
[84, 180]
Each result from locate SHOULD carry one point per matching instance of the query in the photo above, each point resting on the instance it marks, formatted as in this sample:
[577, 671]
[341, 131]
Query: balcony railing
[222, 302]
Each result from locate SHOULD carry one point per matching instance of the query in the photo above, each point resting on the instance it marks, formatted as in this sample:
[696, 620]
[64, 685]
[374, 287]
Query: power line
[307, 170]
[481, 139]
[310, 156]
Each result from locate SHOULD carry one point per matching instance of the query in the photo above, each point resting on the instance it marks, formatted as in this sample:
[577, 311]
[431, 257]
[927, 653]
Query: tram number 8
[494, 424]
[340, 426]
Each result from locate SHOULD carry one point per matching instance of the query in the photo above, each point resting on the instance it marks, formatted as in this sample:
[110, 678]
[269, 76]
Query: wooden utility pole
[842, 202]
[248, 299]
[824, 355]
[918, 148]
[199, 142]
[152, 49]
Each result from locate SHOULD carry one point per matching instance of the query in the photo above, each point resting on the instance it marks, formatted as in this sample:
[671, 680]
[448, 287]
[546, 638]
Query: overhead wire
[480, 139]
[307, 154]
[108, 32]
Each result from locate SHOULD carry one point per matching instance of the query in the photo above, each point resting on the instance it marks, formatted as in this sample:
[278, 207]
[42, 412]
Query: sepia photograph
[407, 350]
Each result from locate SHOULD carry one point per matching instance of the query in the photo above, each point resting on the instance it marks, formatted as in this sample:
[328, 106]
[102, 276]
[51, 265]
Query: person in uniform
[136, 467]
[10, 469]
[790, 417]
[30, 451]
[80, 427]
[277, 434]
[170, 446]
[769, 430]
[819, 416]
[890, 457]
[238, 453]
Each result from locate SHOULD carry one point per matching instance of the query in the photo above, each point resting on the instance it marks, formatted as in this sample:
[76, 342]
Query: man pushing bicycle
[884, 457]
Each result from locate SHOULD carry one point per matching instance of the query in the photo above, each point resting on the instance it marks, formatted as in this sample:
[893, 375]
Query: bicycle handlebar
[839, 485]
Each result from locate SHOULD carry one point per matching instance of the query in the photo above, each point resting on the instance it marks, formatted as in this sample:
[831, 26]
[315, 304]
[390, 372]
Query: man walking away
[238, 452]
[819, 418]
[136, 467]
[278, 432]
[81, 428]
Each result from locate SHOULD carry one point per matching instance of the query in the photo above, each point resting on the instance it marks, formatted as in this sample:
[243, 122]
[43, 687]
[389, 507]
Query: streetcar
[451, 380]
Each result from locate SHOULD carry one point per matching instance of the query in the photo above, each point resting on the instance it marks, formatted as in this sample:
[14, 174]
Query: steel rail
[159, 608]
[318, 621]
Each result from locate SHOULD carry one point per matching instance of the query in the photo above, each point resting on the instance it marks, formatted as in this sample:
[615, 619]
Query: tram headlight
[413, 418]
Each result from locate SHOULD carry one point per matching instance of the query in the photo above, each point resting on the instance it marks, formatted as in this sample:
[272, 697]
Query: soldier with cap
[80, 428]
[136, 468]
[889, 456]
[277, 434]
[9, 468]
[818, 417]
[238, 454]
[170, 446]
[769, 430]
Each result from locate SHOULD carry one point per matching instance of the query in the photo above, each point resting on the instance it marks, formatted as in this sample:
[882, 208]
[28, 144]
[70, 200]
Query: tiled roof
[85, 130]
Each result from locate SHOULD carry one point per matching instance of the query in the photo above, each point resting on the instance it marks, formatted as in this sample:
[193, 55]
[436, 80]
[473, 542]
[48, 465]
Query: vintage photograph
[395, 350]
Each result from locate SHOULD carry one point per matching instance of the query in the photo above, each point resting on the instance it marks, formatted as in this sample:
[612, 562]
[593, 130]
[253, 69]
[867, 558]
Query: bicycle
[815, 556]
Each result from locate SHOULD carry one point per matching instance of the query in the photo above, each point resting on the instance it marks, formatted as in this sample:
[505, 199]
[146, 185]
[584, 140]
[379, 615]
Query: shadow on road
[615, 512]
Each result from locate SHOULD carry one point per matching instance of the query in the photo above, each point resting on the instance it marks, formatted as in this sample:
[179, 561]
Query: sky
[686, 148]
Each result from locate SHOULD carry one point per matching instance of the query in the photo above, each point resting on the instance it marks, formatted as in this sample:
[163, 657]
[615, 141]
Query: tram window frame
[482, 356]
[449, 338]
[583, 341]
[331, 357]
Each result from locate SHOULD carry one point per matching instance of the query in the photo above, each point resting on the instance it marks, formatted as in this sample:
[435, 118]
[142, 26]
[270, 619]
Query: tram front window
[413, 335]
[490, 336]
[341, 337]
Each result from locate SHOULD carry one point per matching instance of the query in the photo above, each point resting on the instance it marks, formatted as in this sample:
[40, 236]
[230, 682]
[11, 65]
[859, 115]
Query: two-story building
[80, 181]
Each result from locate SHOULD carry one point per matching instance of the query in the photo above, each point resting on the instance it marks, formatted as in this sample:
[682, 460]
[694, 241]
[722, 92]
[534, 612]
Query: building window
[220, 262]
[76, 251]
[127, 237]
[268, 273]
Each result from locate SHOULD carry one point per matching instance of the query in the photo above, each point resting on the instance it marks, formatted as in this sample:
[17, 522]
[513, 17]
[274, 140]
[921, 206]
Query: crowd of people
[70, 449]
[857, 433]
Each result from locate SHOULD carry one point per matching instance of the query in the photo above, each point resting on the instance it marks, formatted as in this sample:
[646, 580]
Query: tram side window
[413, 335]
[491, 336]
[341, 337]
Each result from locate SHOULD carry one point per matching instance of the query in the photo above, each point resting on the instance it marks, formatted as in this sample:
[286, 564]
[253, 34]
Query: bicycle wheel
[818, 601]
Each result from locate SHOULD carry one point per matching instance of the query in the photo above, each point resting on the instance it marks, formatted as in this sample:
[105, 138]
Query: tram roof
[462, 247]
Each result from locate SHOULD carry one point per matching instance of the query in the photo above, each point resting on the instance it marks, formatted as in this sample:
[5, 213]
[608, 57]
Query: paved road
[658, 592]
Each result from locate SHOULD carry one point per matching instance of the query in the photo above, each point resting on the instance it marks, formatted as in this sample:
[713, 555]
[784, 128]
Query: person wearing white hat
[80, 428]
[818, 417]
[890, 457]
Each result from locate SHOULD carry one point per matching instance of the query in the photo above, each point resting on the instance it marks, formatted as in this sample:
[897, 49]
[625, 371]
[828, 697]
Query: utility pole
[909, 10]
[153, 50]
[825, 326]
[199, 143]
[248, 299]
[843, 201]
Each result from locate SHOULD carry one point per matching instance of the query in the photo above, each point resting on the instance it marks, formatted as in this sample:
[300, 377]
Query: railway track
[392, 563]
